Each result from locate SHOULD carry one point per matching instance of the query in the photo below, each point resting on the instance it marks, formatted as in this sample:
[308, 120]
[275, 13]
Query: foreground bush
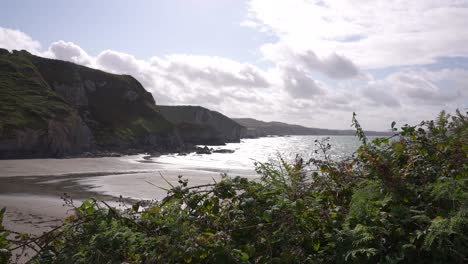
[399, 199]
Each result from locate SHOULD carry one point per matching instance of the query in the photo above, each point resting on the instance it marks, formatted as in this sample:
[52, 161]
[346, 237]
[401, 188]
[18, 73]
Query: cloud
[68, 51]
[301, 86]
[118, 62]
[216, 71]
[333, 65]
[372, 34]
[380, 94]
[419, 88]
[415, 85]
[14, 39]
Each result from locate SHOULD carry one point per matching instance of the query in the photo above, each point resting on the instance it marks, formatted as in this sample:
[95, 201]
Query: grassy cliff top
[34, 90]
[26, 98]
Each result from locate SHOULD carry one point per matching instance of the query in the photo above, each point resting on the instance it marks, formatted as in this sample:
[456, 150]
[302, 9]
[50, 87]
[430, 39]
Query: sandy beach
[31, 190]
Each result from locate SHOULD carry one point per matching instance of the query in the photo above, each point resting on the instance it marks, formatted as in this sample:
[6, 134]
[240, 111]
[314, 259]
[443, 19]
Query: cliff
[256, 128]
[198, 125]
[53, 108]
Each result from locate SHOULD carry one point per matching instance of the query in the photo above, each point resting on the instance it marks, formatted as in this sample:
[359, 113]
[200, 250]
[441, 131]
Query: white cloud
[417, 86]
[68, 51]
[299, 85]
[333, 65]
[379, 94]
[216, 71]
[372, 34]
[444, 89]
[16, 40]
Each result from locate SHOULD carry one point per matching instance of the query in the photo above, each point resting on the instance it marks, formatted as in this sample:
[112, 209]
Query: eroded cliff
[198, 125]
[52, 108]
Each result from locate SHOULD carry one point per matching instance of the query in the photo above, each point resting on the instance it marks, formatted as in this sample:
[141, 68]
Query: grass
[27, 100]
[30, 102]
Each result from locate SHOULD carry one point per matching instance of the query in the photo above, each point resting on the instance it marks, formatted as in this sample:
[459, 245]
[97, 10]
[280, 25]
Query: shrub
[399, 199]
[4, 244]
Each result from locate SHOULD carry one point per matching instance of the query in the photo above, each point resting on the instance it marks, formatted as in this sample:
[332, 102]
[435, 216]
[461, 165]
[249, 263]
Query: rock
[204, 150]
[198, 125]
[4, 52]
[90, 86]
[223, 151]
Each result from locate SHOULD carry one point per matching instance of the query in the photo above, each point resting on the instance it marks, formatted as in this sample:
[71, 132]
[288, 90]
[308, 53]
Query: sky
[308, 62]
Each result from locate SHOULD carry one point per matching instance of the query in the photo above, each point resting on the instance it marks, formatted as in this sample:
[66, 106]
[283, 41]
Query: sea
[265, 149]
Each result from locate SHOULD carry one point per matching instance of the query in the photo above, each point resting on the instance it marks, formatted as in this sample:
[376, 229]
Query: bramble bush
[4, 243]
[400, 199]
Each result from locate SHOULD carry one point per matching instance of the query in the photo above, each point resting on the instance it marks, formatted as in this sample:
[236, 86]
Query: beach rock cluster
[204, 150]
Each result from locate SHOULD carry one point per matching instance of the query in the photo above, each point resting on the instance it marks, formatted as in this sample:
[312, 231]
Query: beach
[32, 190]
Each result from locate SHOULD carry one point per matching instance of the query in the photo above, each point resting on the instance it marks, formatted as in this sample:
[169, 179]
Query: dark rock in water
[223, 151]
[200, 126]
[204, 150]
[53, 108]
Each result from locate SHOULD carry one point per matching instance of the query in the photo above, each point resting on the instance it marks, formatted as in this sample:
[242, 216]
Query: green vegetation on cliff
[397, 200]
[198, 125]
[26, 99]
[120, 108]
[56, 108]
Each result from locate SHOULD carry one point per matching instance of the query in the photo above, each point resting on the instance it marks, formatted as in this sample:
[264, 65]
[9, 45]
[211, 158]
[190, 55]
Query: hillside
[198, 125]
[53, 108]
[256, 128]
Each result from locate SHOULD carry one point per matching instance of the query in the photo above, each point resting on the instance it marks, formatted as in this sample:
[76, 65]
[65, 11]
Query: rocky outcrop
[60, 138]
[198, 125]
[53, 108]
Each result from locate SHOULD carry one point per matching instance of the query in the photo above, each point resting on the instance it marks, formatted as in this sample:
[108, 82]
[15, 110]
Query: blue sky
[308, 62]
[142, 28]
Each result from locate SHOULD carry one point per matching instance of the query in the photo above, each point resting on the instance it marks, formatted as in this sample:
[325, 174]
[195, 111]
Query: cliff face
[198, 125]
[52, 108]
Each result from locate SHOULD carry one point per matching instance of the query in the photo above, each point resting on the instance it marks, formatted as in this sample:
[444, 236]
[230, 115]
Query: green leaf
[244, 256]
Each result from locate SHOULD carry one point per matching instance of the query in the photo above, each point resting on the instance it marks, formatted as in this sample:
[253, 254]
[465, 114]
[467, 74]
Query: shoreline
[188, 149]
[34, 203]
[41, 182]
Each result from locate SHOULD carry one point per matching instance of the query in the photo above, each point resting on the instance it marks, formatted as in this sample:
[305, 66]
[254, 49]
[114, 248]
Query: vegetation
[37, 93]
[27, 100]
[397, 200]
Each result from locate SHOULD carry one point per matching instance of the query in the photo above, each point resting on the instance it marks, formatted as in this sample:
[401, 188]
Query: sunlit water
[263, 150]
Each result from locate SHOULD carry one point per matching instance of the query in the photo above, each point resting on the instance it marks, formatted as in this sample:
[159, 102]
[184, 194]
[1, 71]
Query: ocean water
[264, 149]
